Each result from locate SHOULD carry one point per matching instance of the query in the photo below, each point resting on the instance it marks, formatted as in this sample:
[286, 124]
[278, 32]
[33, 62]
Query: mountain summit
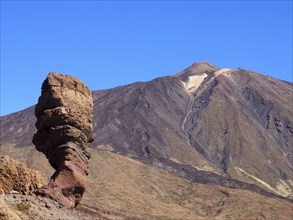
[198, 68]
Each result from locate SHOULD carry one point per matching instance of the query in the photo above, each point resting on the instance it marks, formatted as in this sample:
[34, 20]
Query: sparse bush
[23, 206]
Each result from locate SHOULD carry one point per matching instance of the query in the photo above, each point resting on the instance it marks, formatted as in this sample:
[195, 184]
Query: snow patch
[194, 82]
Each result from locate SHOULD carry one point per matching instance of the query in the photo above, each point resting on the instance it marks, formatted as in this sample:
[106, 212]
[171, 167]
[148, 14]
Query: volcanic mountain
[231, 122]
[228, 127]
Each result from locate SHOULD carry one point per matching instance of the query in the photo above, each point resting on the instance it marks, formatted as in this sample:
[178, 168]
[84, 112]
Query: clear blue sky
[111, 43]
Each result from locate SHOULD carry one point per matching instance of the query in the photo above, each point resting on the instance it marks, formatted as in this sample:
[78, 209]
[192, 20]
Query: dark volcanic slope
[136, 118]
[232, 122]
[18, 128]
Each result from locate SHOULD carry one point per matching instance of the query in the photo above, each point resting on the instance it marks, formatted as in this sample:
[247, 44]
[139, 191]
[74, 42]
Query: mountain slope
[123, 188]
[227, 126]
[228, 121]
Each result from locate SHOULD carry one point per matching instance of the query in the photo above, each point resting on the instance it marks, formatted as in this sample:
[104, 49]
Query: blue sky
[112, 43]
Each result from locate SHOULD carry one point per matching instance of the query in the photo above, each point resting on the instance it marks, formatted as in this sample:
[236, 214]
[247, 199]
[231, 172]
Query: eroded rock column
[64, 132]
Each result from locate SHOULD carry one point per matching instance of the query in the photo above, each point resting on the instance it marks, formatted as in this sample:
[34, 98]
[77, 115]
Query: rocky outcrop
[28, 207]
[16, 176]
[64, 132]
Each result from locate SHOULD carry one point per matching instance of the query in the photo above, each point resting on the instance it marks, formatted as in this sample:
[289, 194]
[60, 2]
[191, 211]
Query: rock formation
[16, 176]
[64, 131]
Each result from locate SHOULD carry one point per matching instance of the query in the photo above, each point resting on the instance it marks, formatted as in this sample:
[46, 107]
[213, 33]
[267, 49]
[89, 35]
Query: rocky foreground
[16, 176]
[18, 201]
[27, 207]
[123, 188]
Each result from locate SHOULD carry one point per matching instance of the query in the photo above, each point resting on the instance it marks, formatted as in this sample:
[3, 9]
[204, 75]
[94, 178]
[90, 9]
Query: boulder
[16, 177]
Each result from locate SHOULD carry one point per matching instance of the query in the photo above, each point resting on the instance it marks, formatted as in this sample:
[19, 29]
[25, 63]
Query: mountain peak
[198, 68]
[204, 64]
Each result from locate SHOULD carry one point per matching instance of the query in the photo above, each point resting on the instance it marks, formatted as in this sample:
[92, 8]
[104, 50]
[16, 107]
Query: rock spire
[64, 132]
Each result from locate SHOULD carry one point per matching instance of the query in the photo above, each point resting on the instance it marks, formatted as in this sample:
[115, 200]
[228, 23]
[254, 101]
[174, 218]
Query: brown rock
[64, 123]
[16, 176]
